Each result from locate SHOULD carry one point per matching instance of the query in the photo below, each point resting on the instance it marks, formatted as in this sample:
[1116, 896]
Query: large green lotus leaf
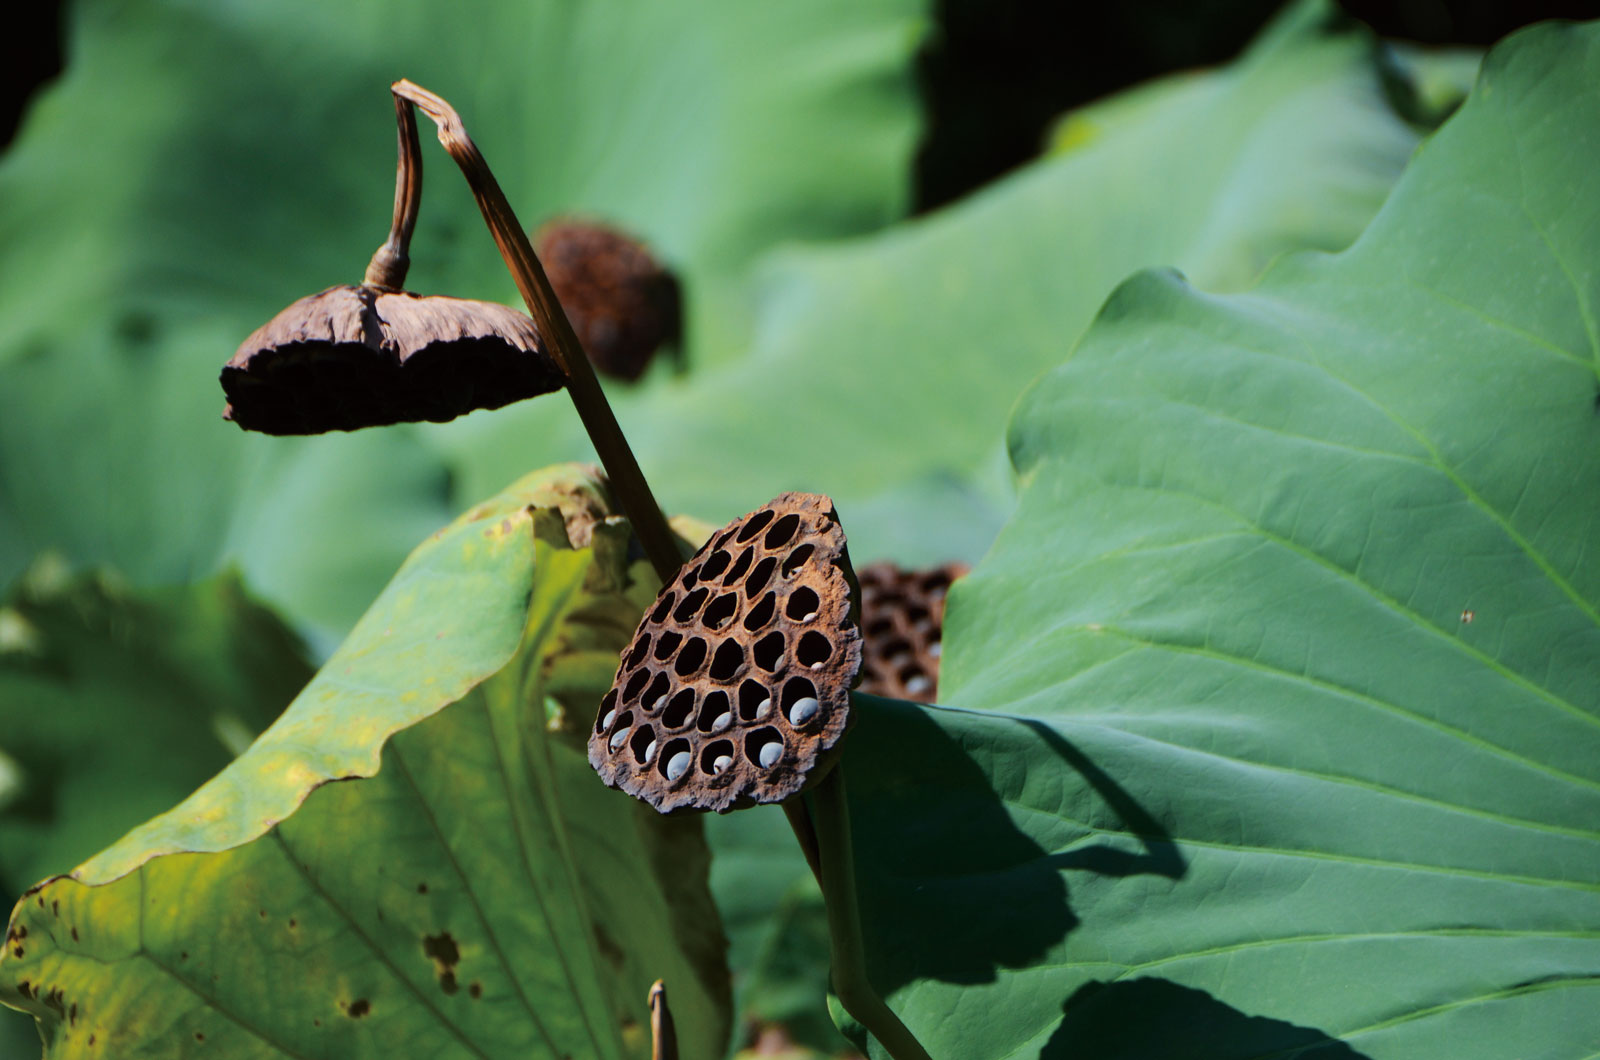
[1274, 714]
[407, 862]
[198, 166]
[882, 370]
[115, 704]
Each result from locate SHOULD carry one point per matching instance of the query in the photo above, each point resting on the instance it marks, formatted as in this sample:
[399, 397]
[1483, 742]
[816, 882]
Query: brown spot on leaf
[442, 950]
[74, 934]
[358, 1008]
[476, 990]
[199, 1036]
[422, 888]
[293, 923]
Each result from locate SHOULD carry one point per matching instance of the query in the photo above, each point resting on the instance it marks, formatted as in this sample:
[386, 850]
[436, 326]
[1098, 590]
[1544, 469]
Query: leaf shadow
[1136, 1019]
[949, 887]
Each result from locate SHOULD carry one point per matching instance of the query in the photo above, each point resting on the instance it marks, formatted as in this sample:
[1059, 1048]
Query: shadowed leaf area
[416, 858]
[1272, 722]
[114, 704]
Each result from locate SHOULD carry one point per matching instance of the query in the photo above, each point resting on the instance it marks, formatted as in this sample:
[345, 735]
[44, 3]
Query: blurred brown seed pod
[736, 687]
[353, 357]
[902, 620]
[623, 304]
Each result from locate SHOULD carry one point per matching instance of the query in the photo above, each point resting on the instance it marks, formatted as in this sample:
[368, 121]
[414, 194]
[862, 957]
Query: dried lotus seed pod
[902, 620]
[353, 357]
[623, 304]
[736, 687]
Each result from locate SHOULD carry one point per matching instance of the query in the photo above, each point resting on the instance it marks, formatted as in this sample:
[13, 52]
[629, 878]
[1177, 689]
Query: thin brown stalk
[663, 1035]
[660, 545]
[392, 261]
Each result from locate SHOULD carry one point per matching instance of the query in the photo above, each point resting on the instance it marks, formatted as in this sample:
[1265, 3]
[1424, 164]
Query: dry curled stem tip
[659, 544]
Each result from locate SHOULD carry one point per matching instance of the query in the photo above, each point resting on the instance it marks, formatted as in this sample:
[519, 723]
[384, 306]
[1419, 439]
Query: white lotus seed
[618, 738]
[722, 722]
[763, 707]
[721, 763]
[918, 685]
[769, 754]
[611, 716]
[803, 710]
[654, 704]
[936, 649]
[678, 766]
[649, 752]
[810, 617]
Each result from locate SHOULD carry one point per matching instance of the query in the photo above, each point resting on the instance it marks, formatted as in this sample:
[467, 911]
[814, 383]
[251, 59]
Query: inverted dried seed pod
[353, 357]
[902, 619]
[623, 304]
[736, 687]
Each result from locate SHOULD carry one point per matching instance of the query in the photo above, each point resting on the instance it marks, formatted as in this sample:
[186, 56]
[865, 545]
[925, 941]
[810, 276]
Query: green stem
[830, 818]
[660, 545]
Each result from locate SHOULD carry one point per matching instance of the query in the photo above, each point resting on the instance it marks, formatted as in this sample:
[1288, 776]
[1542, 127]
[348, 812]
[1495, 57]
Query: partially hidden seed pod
[749, 656]
[902, 622]
[623, 304]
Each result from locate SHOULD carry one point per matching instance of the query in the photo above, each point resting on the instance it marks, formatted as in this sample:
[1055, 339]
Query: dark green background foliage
[1269, 721]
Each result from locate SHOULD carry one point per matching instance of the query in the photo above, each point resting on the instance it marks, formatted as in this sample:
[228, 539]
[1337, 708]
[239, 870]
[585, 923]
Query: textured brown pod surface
[623, 304]
[736, 687]
[352, 357]
[902, 618]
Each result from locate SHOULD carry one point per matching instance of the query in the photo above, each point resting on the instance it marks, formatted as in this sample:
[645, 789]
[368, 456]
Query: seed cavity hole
[656, 693]
[814, 649]
[755, 702]
[800, 703]
[715, 714]
[635, 685]
[797, 559]
[759, 577]
[803, 604]
[691, 658]
[782, 531]
[762, 613]
[764, 747]
[717, 758]
[758, 522]
[676, 758]
[666, 644]
[769, 651]
[608, 708]
[691, 604]
[643, 745]
[689, 577]
[728, 659]
[715, 565]
[640, 649]
[663, 608]
[721, 609]
[679, 707]
[740, 565]
[619, 736]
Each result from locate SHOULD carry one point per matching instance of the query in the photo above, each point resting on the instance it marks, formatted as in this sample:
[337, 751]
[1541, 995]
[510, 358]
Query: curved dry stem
[633, 492]
[391, 261]
[830, 820]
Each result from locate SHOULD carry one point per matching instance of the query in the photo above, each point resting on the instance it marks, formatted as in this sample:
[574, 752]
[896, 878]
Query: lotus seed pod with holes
[902, 622]
[745, 662]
